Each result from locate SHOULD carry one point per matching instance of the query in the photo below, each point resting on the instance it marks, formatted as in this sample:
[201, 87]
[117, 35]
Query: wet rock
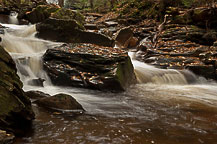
[36, 94]
[111, 23]
[60, 102]
[6, 138]
[123, 36]
[91, 26]
[36, 82]
[181, 55]
[89, 66]
[70, 31]
[15, 107]
[207, 71]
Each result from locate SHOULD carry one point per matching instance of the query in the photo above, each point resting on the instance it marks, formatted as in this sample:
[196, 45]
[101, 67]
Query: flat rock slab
[89, 66]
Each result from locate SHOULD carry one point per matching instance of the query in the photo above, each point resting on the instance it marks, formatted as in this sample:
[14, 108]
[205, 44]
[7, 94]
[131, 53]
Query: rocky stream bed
[69, 77]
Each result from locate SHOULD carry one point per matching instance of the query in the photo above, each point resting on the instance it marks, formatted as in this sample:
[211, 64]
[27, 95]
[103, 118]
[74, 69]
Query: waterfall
[150, 74]
[13, 18]
[27, 52]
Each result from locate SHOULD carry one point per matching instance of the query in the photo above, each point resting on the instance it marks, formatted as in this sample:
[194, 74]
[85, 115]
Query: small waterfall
[27, 51]
[149, 74]
[13, 18]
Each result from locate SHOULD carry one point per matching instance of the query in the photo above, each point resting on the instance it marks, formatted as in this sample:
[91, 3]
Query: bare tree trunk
[112, 2]
[91, 4]
[61, 3]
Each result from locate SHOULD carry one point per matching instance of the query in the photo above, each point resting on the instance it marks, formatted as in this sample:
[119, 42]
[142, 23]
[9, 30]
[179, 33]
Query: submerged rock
[207, 71]
[60, 102]
[69, 31]
[36, 82]
[15, 108]
[89, 66]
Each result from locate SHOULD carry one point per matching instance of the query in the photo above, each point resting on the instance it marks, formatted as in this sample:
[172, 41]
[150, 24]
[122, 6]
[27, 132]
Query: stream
[165, 107]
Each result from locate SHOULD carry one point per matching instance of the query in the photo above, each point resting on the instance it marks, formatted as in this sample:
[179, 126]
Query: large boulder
[36, 94]
[60, 102]
[69, 31]
[189, 33]
[202, 16]
[15, 108]
[8, 6]
[89, 66]
[123, 36]
[42, 12]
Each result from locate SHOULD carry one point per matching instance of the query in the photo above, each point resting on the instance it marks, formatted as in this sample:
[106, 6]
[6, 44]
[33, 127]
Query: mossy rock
[15, 108]
[40, 13]
[68, 14]
[43, 12]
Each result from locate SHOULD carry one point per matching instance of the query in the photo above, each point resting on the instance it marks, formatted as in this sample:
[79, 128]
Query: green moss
[125, 72]
[68, 14]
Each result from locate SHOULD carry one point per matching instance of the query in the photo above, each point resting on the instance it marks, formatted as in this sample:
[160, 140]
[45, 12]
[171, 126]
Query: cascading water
[163, 108]
[27, 51]
[149, 74]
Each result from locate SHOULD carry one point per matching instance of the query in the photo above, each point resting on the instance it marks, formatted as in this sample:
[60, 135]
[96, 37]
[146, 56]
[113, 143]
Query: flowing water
[165, 107]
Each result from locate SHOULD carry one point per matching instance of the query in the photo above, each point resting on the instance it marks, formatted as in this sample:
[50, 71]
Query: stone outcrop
[202, 16]
[43, 12]
[15, 108]
[69, 31]
[40, 13]
[7, 6]
[60, 102]
[89, 66]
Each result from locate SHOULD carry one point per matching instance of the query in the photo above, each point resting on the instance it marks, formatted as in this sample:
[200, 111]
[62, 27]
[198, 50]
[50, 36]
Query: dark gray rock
[59, 102]
[207, 71]
[36, 82]
[89, 66]
[15, 107]
[36, 94]
[70, 31]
